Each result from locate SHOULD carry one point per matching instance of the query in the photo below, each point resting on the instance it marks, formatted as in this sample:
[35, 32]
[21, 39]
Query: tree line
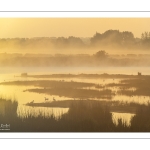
[108, 39]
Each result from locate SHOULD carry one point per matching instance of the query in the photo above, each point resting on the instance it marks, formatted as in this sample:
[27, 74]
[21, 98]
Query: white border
[81, 135]
[74, 14]
[74, 5]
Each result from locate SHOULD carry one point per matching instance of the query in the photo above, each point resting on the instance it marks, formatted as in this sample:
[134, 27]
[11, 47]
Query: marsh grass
[83, 116]
[140, 86]
[76, 93]
[49, 83]
[8, 111]
[67, 89]
[141, 121]
[8, 107]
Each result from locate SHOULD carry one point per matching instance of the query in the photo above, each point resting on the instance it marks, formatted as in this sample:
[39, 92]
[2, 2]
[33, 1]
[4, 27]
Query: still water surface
[13, 91]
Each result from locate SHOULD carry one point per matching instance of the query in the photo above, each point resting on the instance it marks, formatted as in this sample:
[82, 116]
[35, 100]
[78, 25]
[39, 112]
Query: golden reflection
[91, 72]
[126, 117]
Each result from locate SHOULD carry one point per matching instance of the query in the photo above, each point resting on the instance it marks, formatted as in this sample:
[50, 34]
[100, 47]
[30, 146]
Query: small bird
[32, 102]
[46, 99]
[54, 99]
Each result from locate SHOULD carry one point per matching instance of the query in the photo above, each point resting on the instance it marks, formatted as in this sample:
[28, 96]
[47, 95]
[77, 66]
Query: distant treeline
[101, 58]
[109, 39]
[123, 40]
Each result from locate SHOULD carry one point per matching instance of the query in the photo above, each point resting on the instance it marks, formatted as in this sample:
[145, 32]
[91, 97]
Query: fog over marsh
[107, 73]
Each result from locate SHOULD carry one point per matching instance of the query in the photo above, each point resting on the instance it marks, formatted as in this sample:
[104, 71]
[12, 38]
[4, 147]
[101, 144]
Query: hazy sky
[79, 27]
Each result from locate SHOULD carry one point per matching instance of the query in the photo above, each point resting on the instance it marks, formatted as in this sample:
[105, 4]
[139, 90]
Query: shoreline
[69, 103]
[82, 75]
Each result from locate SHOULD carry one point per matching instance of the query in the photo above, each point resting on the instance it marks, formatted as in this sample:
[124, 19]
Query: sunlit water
[126, 117]
[18, 92]
[25, 111]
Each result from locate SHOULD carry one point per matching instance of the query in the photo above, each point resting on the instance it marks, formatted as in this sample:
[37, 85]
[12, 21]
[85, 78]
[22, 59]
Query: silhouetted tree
[75, 41]
[127, 36]
[101, 54]
[142, 36]
[145, 37]
[113, 38]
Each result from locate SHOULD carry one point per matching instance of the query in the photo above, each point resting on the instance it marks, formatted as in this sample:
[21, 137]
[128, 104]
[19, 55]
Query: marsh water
[23, 96]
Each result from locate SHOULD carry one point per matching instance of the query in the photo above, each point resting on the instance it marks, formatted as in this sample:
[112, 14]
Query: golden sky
[79, 27]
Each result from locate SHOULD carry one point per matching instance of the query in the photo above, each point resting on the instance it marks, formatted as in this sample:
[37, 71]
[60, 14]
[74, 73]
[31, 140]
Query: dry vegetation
[83, 116]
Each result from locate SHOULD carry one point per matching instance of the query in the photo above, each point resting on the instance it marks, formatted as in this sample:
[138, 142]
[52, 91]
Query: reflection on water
[13, 91]
[9, 74]
[134, 99]
[25, 97]
[25, 111]
[126, 117]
